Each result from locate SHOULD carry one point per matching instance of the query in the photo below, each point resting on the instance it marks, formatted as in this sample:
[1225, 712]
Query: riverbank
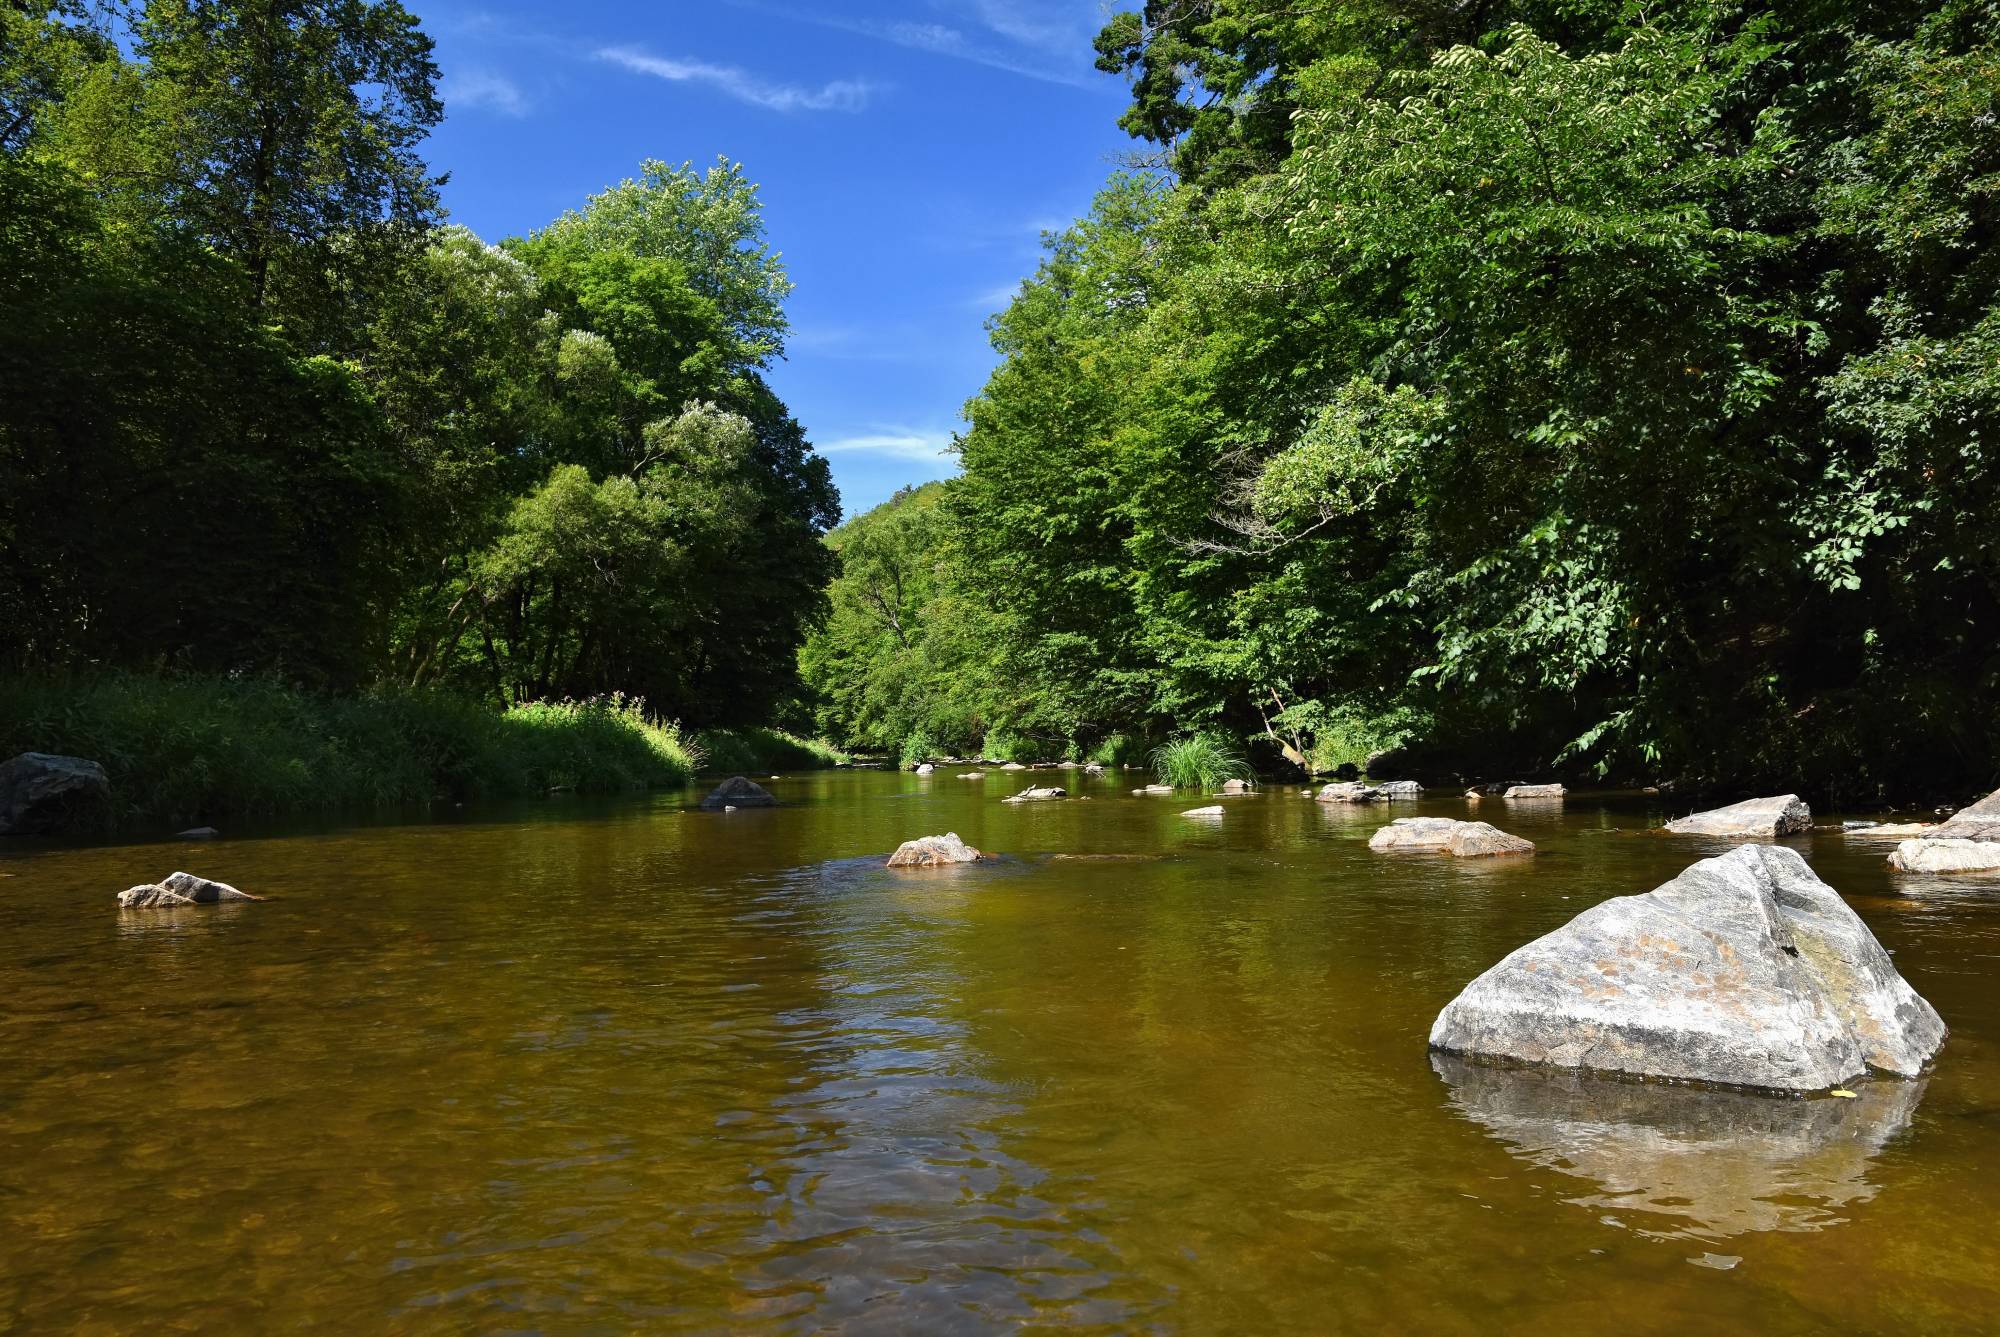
[189, 749]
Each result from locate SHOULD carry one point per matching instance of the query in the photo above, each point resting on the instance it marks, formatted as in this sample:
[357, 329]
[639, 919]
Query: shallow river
[622, 1066]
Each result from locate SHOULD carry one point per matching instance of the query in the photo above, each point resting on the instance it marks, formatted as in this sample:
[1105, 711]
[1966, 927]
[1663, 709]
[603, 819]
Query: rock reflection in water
[1678, 1161]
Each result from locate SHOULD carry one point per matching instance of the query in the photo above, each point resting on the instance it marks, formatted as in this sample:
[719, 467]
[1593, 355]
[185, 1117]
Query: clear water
[622, 1066]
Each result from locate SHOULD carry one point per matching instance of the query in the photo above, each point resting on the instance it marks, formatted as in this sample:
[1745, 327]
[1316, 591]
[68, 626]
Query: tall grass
[1198, 761]
[198, 748]
[750, 750]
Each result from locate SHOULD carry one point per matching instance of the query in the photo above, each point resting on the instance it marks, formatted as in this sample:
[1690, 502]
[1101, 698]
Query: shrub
[1198, 761]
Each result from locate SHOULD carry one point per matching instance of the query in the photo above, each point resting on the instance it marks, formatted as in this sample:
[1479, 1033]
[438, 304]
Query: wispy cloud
[484, 89]
[923, 447]
[997, 298]
[839, 95]
[994, 33]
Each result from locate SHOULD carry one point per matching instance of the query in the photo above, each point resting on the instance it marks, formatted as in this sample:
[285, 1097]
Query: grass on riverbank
[186, 749]
[748, 751]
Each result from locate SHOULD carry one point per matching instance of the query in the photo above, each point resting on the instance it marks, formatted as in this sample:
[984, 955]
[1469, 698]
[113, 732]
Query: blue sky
[909, 156]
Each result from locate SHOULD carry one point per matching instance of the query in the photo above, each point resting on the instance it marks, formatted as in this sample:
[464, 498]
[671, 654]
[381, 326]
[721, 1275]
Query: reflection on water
[620, 1066]
[1680, 1161]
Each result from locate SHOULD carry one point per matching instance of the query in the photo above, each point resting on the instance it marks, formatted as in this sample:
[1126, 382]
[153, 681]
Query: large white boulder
[1745, 970]
[1444, 835]
[933, 852]
[1751, 819]
[1946, 856]
[1981, 821]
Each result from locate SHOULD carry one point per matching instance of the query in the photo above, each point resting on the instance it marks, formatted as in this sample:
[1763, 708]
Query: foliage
[1198, 761]
[190, 748]
[1584, 385]
[267, 416]
[754, 751]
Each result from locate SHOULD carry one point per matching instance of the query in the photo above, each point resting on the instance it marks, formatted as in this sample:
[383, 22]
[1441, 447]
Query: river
[620, 1065]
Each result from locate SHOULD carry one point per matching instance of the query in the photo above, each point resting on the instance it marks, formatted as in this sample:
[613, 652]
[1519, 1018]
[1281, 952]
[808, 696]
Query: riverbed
[623, 1065]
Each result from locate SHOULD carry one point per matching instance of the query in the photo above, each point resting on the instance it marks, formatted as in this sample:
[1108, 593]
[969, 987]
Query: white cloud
[1056, 53]
[839, 95]
[996, 298]
[894, 443]
[484, 89]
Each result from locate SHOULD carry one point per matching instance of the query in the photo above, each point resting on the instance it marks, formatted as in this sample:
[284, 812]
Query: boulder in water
[933, 852]
[1235, 786]
[198, 833]
[738, 792]
[1745, 970]
[1036, 795]
[1534, 791]
[1981, 821]
[925, 769]
[1155, 789]
[1443, 835]
[1213, 810]
[1013, 766]
[180, 889]
[1946, 856]
[1751, 819]
[1889, 830]
[1348, 791]
[1398, 789]
[42, 793]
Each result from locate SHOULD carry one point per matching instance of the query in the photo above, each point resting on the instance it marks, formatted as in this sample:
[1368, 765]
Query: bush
[918, 747]
[1119, 750]
[1000, 746]
[742, 751]
[203, 748]
[1198, 761]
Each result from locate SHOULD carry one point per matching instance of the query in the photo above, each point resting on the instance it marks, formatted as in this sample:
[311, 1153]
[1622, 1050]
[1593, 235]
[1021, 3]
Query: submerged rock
[1534, 791]
[972, 775]
[738, 792]
[1235, 786]
[42, 793]
[1751, 819]
[1443, 835]
[1946, 856]
[1013, 766]
[1213, 810]
[198, 833]
[1154, 789]
[1036, 795]
[933, 852]
[1745, 970]
[1891, 830]
[1348, 791]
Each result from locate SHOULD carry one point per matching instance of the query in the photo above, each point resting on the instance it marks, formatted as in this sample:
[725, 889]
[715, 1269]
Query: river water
[624, 1066]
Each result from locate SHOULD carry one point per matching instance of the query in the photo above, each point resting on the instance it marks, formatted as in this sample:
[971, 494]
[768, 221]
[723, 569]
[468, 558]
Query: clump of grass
[746, 750]
[1198, 761]
[190, 748]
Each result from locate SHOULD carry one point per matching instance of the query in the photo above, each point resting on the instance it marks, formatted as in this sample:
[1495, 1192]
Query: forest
[1563, 387]
[1593, 389]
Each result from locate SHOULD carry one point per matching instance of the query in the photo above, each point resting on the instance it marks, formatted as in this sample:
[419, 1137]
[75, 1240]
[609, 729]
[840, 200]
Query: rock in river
[1349, 791]
[1946, 856]
[1443, 835]
[42, 793]
[1213, 810]
[738, 792]
[925, 769]
[1981, 821]
[1750, 819]
[1745, 970]
[1235, 786]
[933, 852]
[1400, 789]
[1967, 842]
[1534, 791]
[1035, 795]
[180, 889]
